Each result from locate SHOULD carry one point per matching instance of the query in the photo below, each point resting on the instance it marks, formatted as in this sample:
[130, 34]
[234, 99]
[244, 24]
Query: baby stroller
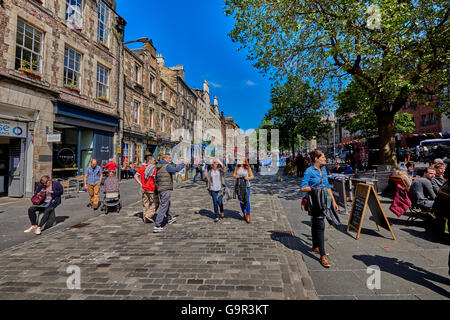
[111, 200]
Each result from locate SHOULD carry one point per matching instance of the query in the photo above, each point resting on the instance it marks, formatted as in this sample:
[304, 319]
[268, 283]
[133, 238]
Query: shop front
[13, 147]
[135, 148]
[84, 135]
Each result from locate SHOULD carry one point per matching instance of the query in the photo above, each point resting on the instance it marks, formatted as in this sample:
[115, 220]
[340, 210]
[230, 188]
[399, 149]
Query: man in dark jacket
[164, 177]
[421, 191]
[53, 191]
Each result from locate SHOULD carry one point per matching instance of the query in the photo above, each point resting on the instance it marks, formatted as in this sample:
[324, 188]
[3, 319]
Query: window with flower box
[29, 41]
[102, 83]
[103, 24]
[72, 70]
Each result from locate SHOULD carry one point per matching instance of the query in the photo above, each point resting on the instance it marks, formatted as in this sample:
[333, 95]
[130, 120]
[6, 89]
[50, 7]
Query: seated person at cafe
[112, 184]
[421, 191]
[438, 180]
[110, 166]
[337, 168]
[410, 169]
[348, 169]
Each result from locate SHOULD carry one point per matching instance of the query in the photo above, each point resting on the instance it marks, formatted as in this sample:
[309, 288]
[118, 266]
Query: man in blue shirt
[92, 181]
[348, 169]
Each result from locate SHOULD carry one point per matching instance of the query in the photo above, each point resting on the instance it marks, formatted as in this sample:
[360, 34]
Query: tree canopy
[391, 48]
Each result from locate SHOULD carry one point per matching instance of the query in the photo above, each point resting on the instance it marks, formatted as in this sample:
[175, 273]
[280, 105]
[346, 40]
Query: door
[103, 146]
[16, 168]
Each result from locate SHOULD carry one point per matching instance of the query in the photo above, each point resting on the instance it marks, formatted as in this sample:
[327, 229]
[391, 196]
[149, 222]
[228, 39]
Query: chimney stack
[160, 60]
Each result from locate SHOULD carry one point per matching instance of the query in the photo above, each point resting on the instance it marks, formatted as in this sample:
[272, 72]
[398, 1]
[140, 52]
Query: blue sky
[195, 34]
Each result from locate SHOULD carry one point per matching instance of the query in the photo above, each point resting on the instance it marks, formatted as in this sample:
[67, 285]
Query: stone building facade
[186, 104]
[59, 70]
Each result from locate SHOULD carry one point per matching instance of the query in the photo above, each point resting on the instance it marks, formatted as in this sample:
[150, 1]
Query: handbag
[38, 198]
[305, 198]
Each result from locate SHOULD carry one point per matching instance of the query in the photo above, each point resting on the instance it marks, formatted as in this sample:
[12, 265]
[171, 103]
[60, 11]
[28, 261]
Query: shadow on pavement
[227, 214]
[61, 219]
[407, 271]
[430, 235]
[294, 243]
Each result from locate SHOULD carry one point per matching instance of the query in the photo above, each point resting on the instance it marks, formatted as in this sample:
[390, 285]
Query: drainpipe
[120, 27]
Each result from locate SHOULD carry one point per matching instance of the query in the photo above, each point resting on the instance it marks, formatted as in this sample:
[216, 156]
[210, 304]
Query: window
[137, 74]
[171, 126]
[431, 118]
[102, 83]
[72, 67]
[28, 48]
[136, 112]
[171, 99]
[74, 13]
[103, 24]
[152, 84]
[150, 118]
[424, 120]
[162, 92]
[163, 117]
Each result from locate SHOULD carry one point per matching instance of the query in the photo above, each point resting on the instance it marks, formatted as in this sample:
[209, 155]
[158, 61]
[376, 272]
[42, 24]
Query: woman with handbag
[245, 173]
[46, 198]
[215, 180]
[316, 176]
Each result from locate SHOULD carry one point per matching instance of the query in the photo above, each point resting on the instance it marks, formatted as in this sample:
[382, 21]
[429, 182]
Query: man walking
[92, 181]
[164, 176]
[146, 179]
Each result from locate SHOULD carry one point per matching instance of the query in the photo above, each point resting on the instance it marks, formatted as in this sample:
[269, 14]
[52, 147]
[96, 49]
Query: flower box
[30, 73]
[73, 89]
[103, 99]
[39, 2]
[103, 45]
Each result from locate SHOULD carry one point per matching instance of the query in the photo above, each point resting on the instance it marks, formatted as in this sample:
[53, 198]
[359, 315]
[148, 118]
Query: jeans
[218, 203]
[33, 216]
[243, 207]
[198, 171]
[164, 207]
[318, 234]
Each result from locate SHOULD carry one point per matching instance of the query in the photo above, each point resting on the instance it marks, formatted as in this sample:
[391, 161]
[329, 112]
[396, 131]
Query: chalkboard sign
[365, 195]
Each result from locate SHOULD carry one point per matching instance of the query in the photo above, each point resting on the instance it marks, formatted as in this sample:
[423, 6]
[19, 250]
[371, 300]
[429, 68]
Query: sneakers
[172, 220]
[30, 229]
[158, 229]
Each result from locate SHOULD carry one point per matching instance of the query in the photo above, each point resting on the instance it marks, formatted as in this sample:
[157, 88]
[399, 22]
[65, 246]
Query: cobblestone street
[121, 258]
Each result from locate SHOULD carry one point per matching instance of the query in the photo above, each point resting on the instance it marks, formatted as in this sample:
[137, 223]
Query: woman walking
[316, 179]
[215, 179]
[243, 174]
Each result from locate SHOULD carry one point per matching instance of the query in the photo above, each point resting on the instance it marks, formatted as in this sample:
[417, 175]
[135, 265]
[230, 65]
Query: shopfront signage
[66, 157]
[54, 137]
[13, 129]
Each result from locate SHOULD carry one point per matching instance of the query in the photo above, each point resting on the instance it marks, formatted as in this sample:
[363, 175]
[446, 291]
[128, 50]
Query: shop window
[103, 24]
[125, 154]
[74, 13]
[72, 69]
[29, 42]
[138, 153]
[102, 83]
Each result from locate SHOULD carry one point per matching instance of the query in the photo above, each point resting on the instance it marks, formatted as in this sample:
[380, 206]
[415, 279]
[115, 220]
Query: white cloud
[250, 83]
[215, 85]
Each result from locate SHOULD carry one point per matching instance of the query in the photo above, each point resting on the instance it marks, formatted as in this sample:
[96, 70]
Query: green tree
[357, 112]
[297, 109]
[392, 48]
